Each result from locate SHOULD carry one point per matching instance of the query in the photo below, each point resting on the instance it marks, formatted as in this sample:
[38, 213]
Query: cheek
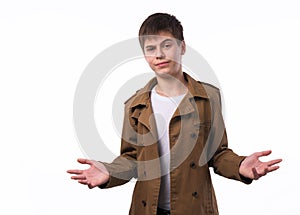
[175, 56]
[149, 59]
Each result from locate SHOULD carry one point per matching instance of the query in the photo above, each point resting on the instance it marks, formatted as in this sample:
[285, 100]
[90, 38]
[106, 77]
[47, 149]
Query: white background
[253, 47]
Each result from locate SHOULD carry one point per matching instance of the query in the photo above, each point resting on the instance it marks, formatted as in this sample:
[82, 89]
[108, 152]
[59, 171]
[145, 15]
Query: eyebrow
[164, 41]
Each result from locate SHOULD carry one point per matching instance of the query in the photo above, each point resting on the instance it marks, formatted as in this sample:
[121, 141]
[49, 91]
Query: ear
[183, 47]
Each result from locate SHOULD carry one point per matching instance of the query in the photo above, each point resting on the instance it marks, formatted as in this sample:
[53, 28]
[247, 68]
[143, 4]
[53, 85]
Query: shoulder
[141, 96]
[209, 87]
[138, 100]
[212, 92]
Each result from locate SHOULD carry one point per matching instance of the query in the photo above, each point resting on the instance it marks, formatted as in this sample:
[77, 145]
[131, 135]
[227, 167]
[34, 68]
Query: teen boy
[172, 133]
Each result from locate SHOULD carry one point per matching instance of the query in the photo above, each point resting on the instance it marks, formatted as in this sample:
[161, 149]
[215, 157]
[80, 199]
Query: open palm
[94, 176]
[253, 168]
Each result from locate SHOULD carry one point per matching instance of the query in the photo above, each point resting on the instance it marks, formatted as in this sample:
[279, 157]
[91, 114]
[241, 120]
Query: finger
[74, 171]
[273, 162]
[263, 153]
[85, 182]
[78, 177]
[259, 173]
[84, 161]
[273, 168]
[255, 174]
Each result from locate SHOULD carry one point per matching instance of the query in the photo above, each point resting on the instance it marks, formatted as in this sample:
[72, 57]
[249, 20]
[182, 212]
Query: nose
[159, 54]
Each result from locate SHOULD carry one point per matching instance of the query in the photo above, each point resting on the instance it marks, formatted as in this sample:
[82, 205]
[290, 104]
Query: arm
[223, 160]
[123, 168]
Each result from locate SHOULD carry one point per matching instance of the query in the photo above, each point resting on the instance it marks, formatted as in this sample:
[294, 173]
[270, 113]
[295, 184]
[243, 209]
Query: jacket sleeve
[123, 168]
[223, 160]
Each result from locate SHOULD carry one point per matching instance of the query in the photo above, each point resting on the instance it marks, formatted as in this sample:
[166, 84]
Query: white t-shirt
[163, 109]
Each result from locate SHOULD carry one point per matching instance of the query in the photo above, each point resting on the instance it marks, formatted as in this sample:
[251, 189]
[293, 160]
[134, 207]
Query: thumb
[263, 153]
[84, 161]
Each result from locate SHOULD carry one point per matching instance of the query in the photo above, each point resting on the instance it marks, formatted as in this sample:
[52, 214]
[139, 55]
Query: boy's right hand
[94, 176]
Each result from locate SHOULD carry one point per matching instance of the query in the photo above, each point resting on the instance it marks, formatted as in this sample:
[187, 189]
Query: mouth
[162, 64]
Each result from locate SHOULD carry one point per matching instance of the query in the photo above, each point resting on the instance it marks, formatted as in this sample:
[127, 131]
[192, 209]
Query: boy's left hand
[253, 168]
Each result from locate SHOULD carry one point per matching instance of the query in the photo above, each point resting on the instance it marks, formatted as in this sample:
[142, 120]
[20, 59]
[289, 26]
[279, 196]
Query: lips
[162, 64]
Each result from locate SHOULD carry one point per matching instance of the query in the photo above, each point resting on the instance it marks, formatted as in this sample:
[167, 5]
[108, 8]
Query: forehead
[158, 38]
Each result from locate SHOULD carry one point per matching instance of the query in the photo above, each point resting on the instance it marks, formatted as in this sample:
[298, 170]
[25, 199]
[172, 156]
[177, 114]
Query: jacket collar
[195, 89]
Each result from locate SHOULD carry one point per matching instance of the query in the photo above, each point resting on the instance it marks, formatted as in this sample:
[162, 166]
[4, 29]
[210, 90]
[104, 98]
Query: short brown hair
[159, 22]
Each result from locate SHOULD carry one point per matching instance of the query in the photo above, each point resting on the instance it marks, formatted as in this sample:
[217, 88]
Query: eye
[149, 49]
[167, 45]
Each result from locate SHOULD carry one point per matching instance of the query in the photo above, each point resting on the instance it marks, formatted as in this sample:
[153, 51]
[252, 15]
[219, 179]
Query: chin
[165, 74]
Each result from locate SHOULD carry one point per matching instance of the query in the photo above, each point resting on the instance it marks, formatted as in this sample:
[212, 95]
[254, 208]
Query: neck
[171, 86]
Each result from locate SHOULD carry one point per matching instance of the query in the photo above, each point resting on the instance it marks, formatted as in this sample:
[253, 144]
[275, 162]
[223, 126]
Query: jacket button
[193, 135]
[195, 194]
[144, 203]
[193, 165]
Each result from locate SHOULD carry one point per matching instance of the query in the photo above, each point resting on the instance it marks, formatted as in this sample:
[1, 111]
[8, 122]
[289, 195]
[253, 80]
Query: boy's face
[163, 53]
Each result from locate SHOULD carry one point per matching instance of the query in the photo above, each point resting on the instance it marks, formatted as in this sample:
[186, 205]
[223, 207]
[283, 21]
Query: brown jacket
[197, 141]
